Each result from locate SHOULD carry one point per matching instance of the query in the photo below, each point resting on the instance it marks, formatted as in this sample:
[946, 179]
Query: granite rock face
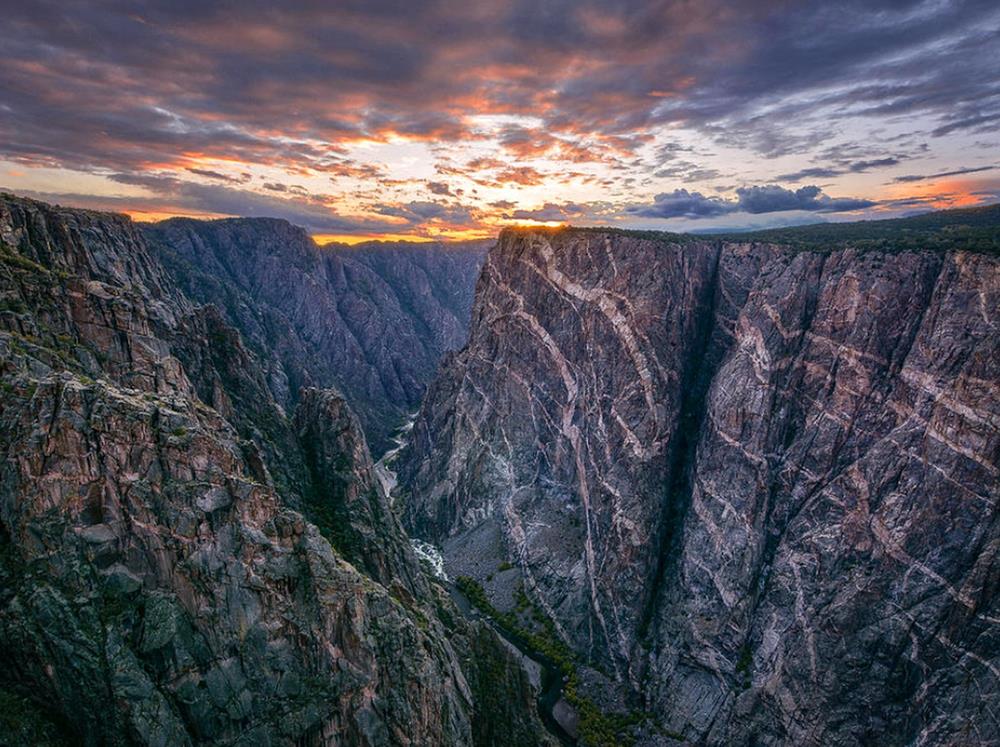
[372, 320]
[181, 562]
[754, 486]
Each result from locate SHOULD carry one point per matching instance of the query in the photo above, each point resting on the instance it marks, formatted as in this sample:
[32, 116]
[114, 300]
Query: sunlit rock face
[372, 320]
[756, 486]
[181, 562]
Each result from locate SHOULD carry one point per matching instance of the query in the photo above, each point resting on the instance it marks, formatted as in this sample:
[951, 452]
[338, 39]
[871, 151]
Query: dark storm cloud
[209, 174]
[850, 59]
[857, 167]
[772, 198]
[814, 172]
[769, 198]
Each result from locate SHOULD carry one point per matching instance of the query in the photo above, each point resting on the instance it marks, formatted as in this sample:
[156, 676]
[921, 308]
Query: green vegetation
[546, 643]
[971, 229]
[743, 665]
[13, 305]
[504, 566]
[597, 728]
[324, 506]
[10, 257]
[50, 348]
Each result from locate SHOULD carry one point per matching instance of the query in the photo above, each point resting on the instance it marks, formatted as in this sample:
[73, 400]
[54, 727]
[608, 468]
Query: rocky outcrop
[755, 487]
[163, 579]
[347, 497]
[372, 320]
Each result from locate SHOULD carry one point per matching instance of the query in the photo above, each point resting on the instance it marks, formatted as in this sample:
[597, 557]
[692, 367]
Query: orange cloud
[945, 193]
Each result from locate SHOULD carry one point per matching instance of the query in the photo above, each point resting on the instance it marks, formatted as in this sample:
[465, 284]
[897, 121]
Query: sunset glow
[366, 123]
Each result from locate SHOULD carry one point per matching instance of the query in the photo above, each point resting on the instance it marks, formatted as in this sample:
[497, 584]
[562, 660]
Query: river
[551, 679]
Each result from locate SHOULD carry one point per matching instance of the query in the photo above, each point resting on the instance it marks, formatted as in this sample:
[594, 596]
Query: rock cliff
[181, 562]
[372, 319]
[752, 484]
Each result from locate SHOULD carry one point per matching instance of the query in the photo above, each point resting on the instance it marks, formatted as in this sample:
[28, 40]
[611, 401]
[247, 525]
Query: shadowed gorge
[372, 319]
[182, 562]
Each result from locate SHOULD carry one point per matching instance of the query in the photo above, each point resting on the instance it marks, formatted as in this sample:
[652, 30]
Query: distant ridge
[971, 229]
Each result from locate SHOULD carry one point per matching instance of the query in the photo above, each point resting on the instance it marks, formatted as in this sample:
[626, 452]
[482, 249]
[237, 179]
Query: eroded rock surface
[754, 486]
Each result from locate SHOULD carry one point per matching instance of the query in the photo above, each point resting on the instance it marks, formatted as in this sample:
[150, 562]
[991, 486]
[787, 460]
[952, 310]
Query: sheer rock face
[156, 584]
[757, 486]
[372, 320]
[342, 471]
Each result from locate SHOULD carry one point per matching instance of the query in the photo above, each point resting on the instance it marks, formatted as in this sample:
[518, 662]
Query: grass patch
[597, 728]
[13, 305]
[21, 262]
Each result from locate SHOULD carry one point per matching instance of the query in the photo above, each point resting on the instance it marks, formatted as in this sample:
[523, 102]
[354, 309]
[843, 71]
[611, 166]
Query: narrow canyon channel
[556, 714]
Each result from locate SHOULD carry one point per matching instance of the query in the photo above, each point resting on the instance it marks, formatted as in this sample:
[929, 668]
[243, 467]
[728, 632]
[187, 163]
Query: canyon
[717, 490]
[183, 561]
[372, 319]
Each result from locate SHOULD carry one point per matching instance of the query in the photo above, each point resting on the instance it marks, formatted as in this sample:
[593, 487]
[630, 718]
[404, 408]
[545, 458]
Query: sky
[451, 119]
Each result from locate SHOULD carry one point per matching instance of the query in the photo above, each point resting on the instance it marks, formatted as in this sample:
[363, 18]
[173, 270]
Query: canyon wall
[182, 562]
[754, 486]
[372, 320]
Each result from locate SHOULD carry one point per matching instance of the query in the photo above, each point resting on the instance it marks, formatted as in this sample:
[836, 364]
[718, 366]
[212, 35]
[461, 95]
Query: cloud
[942, 174]
[184, 87]
[683, 204]
[439, 188]
[552, 212]
[419, 212]
[524, 175]
[687, 171]
[855, 167]
[770, 198]
[175, 195]
[813, 172]
[169, 76]
[208, 173]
